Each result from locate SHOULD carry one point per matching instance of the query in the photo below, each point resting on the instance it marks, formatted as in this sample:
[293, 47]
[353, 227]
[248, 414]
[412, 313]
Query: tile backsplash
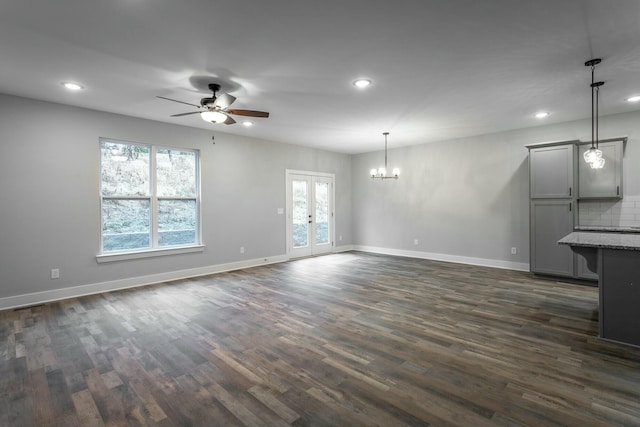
[604, 213]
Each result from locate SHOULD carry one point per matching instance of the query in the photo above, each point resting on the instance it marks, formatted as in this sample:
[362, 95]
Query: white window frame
[155, 249]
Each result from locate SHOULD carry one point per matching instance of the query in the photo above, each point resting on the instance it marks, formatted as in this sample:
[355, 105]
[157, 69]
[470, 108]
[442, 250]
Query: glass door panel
[300, 213]
[322, 213]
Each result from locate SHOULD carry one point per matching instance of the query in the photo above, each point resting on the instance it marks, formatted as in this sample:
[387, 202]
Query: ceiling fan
[216, 108]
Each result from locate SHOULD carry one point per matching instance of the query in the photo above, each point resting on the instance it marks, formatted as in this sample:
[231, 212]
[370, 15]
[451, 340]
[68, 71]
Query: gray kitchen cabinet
[605, 182]
[551, 170]
[552, 207]
[551, 220]
[620, 295]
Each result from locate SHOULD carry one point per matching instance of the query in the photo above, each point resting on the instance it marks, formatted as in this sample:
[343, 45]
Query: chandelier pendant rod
[385, 149]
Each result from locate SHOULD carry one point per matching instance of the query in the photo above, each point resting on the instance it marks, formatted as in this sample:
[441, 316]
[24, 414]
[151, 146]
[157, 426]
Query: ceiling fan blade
[224, 100]
[229, 121]
[185, 114]
[175, 100]
[251, 113]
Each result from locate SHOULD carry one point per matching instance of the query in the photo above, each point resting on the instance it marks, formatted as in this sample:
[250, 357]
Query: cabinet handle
[618, 190]
[570, 203]
[569, 191]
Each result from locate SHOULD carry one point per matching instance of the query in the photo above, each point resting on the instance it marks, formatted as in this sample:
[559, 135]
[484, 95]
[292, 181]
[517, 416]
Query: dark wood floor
[348, 339]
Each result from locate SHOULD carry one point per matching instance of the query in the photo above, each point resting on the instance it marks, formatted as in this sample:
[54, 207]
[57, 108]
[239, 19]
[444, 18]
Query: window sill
[125, 256]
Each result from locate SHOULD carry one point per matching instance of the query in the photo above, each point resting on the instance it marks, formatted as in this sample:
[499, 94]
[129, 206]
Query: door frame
[289, 208]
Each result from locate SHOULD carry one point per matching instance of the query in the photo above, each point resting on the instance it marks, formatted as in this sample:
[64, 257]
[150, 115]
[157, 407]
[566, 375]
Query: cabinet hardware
[569, 191]
[570, 206]
[618, 190]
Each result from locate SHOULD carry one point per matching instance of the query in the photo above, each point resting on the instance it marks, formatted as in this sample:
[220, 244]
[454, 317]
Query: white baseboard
[133, 282]
[484, 262]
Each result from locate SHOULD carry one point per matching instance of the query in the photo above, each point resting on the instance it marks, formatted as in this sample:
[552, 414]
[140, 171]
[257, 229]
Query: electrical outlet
[514, 250]
[241, 249]
[415, 242]
[55, 273]
[340, 238]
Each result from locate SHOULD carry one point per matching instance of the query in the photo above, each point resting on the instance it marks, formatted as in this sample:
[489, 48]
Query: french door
[310, 219]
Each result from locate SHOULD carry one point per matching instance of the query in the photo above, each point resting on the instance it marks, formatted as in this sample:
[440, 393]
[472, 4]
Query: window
[149, 197]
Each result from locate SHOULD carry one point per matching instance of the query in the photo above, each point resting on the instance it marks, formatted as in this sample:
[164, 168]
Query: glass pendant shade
[373, 172]
[382, 172]
[597, 164]
[593, 156]
[213, 116]
[396, 172]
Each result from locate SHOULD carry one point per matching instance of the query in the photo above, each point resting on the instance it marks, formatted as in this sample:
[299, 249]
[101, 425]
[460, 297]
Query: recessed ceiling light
[634, 98]
[541, 115]
[247, 123]
[362, 83]
[72, 86]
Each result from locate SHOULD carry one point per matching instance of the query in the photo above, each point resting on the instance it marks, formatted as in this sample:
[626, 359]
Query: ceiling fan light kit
[593, 156]
[381, 173]
[215, 109]
[213, 116]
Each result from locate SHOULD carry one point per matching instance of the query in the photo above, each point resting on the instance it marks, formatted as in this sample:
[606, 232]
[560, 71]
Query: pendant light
[593, 156]
[381, 173]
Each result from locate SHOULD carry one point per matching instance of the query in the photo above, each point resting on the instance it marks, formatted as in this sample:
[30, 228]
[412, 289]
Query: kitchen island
[618, 281]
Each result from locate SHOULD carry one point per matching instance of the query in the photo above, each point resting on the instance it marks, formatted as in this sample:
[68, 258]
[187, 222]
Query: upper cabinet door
[551, 171]
[605, 182]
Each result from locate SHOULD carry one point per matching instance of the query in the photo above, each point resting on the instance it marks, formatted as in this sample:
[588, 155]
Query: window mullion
[154, 198]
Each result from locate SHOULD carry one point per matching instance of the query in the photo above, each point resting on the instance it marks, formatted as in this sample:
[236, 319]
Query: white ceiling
[441, 69]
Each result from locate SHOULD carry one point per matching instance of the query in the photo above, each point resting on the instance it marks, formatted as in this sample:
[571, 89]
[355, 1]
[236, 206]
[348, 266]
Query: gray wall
[49, 201]
[464, 200]
[467, 199]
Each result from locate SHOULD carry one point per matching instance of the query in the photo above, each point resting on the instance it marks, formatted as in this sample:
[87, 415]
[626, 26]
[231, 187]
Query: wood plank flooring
[349, 339]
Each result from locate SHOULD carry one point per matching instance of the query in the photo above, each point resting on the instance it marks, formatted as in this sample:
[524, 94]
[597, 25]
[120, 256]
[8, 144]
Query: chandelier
[593, 156]
[381, 173]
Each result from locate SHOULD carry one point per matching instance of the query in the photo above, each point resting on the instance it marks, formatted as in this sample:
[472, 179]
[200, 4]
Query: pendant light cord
[593, 88]
[595, 102]
[597, 124]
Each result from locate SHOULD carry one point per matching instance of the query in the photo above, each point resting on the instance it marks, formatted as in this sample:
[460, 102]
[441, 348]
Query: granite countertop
[611, 229]
[605, 240]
